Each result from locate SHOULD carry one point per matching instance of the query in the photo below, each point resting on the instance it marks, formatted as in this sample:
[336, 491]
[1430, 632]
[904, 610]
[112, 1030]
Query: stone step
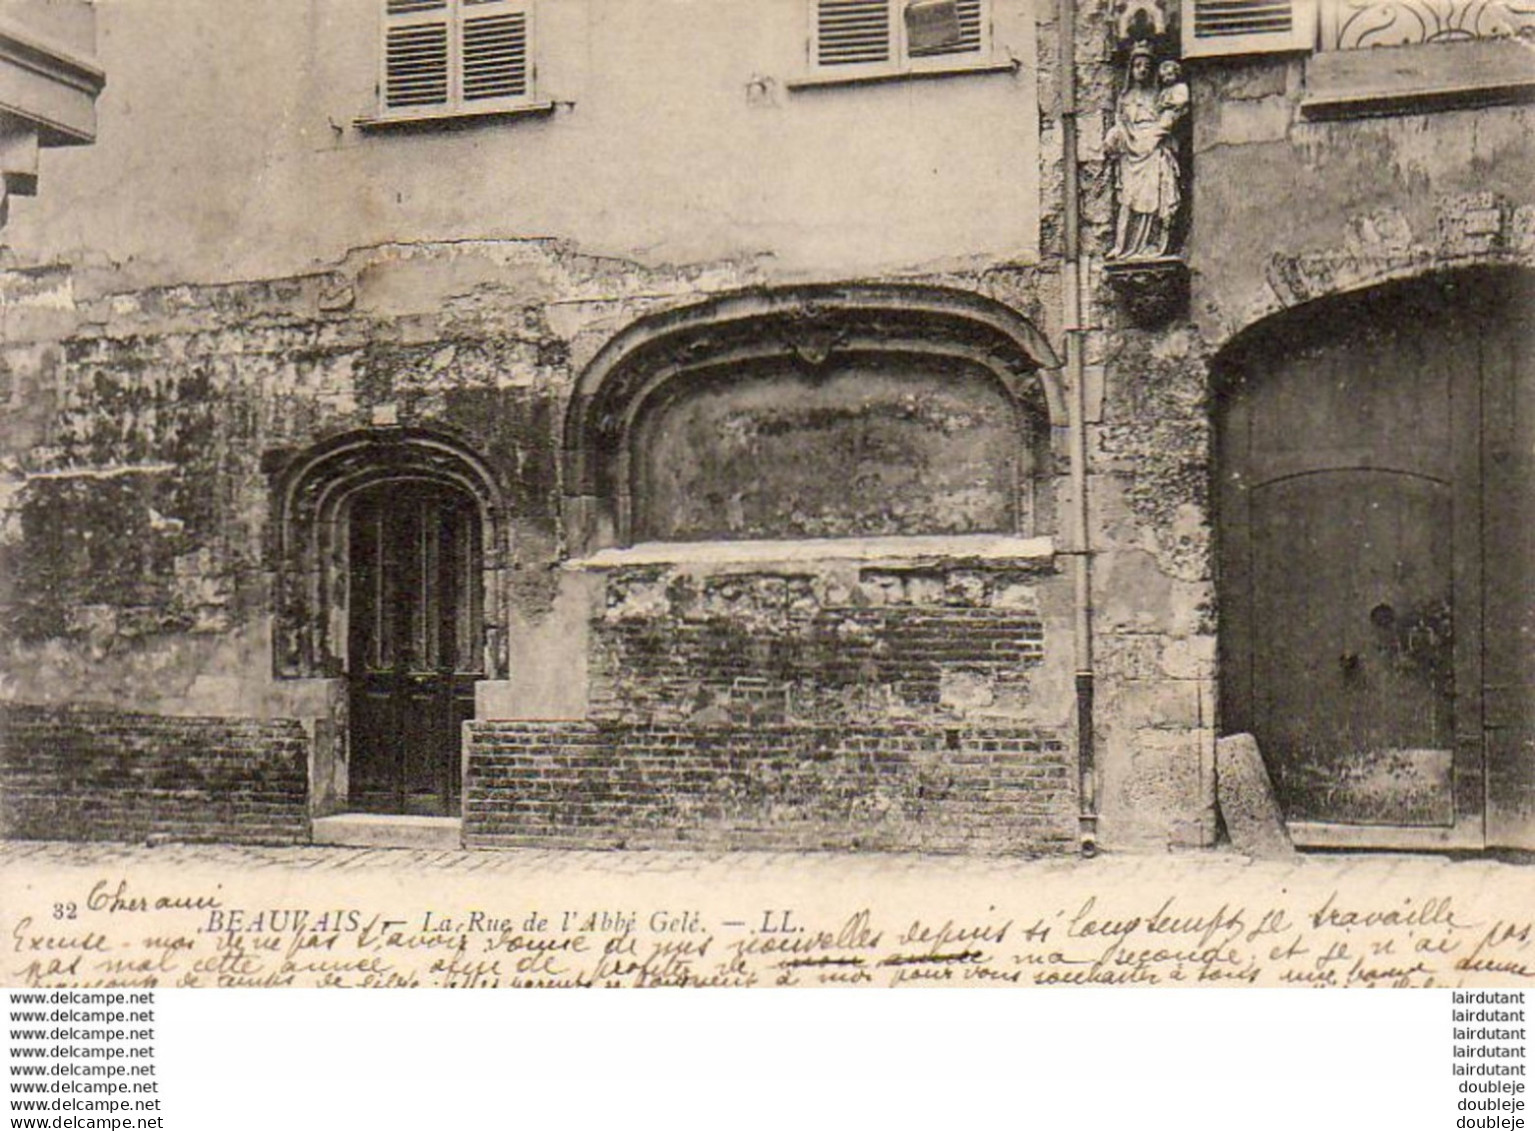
[376, 830]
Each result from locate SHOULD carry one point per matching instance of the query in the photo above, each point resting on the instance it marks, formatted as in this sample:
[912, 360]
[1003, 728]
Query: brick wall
[875, 645]
[85, 774]
[595, 784]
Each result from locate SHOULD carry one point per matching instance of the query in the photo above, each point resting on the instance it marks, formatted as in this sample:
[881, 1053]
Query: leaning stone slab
[1246, 799]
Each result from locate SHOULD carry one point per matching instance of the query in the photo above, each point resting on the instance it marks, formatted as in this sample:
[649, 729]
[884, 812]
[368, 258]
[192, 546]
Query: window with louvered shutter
[495, 53]
[1247, 27]
[852, 32]
[455, 56]
[416, 53]
[893, 36]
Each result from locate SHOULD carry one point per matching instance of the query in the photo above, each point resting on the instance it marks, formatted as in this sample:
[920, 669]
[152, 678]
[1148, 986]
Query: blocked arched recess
[809, 329]
[312, 491]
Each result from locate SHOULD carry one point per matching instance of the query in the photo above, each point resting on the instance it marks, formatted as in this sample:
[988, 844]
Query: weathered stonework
[1309, 209]
[153, 432]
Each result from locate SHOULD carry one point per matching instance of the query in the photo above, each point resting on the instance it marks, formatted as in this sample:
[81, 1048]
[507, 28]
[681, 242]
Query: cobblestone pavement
[1200, 867]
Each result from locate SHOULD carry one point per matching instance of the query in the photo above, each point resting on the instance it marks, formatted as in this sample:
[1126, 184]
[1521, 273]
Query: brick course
[91, 774]
[935, 789]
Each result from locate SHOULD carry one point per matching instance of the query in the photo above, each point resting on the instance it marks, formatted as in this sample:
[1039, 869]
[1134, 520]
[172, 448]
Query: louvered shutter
[1245, 27]
[945, 27]
[494, 51]
[445, 56]
[417, 66]
[852, 33]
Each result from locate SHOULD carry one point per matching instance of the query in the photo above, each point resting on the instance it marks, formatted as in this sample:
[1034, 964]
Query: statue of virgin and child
[1143, 146]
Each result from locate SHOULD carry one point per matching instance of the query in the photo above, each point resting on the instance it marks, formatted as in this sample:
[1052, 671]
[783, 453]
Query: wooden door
[414, 645]
[1375, 518]
[1508, 549]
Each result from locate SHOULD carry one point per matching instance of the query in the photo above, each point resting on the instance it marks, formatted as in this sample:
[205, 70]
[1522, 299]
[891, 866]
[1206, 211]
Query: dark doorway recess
[1376, 504]
[414, 630]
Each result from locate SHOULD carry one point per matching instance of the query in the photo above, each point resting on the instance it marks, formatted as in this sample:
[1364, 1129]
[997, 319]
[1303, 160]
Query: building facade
[772, 423]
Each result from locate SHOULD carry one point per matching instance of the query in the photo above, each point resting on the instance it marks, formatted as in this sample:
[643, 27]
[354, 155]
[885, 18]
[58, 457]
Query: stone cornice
[25, 48]
[48, 86]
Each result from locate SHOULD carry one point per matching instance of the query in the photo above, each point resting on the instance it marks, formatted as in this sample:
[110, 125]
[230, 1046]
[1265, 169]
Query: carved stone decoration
[1139, 19]
[1146, 147]
[1151, 292]
[812, 333]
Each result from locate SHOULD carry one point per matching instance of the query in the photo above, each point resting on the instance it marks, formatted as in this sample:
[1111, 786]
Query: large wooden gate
[1376, 502]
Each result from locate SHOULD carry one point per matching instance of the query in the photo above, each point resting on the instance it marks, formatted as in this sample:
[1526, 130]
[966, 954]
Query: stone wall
[1154, 610]
[141, 429]
[142, 412]
[88, 774]
[971, 789]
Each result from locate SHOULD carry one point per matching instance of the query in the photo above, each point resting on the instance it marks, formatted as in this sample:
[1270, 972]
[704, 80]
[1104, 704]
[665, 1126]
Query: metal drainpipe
[1073, 271]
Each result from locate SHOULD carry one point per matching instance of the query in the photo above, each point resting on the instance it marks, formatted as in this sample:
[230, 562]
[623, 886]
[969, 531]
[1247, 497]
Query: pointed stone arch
[312, 491]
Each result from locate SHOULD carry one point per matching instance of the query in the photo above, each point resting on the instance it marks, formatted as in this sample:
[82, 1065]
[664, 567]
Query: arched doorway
[414, 615]
[1376, 506]
[390, 547]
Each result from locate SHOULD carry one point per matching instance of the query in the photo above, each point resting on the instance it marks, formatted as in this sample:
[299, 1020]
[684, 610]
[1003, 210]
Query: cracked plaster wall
[1287, 209]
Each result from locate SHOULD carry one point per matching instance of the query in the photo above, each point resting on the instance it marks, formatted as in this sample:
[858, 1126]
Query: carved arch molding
[817, 334]
[312, 491]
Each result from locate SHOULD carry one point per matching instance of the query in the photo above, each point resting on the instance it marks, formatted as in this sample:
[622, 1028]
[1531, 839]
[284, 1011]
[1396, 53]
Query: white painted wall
[227, 147]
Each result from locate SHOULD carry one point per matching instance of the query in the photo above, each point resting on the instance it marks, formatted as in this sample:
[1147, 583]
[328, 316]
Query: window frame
[1300, 38]
[900, 63]
[455, 14]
